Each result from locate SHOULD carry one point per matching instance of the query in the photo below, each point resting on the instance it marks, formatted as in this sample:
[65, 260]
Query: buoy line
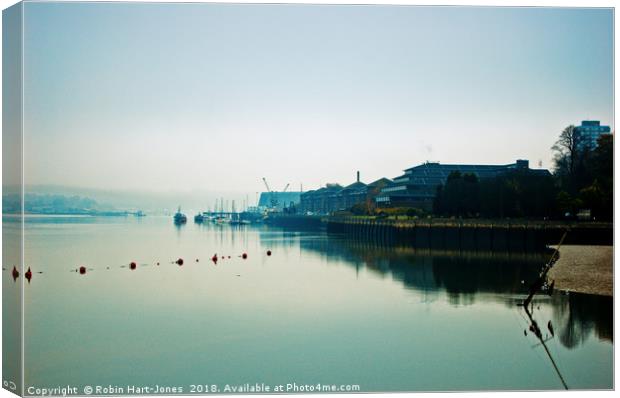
[82, 270]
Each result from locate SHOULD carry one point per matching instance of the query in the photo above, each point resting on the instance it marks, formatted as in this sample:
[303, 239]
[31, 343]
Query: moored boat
[180, 218]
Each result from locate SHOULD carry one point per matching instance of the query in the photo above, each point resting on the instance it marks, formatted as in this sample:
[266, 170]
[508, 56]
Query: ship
[180, 218]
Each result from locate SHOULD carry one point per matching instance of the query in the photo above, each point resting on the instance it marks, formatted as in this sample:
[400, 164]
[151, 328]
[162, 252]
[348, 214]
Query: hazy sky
[183, 96]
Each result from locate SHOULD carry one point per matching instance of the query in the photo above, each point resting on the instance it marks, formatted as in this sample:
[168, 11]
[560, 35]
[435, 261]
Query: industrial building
[278, 200]
[589, 132]
[335, 197]
[417, 187]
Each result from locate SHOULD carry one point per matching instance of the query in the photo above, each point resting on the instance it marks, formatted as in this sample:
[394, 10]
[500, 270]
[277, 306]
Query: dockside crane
[266, 185]
[272, 197]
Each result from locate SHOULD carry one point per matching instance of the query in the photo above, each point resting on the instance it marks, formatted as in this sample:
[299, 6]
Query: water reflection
[582, 315]
[258, 316]
[12, 306]
[464, 276]
[461, 274]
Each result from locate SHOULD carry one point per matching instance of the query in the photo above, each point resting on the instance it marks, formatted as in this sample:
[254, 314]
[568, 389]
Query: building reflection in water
[464, 277]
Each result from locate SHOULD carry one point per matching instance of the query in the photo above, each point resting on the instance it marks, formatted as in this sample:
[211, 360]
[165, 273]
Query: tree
[597, 191]
[439, 207]
[518, 193]
[593, 198]
[565, 203]
[573, 161]
[459, 196]
[584, 174]
[566, 150]
[359, 209]
[603, 158]
[570, 161]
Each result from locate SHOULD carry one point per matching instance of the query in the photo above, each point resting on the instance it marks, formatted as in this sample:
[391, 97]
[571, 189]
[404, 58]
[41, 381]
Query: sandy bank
[584, 269]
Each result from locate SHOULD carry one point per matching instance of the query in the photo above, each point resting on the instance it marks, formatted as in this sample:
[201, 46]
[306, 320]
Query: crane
[272, 196]
[266, 185]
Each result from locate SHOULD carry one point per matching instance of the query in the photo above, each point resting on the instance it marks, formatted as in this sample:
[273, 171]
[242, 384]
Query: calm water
[319, 310]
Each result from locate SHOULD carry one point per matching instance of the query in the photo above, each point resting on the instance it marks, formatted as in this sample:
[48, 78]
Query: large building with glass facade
[418, 186]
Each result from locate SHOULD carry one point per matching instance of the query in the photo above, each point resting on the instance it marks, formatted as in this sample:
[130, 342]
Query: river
[320, 309]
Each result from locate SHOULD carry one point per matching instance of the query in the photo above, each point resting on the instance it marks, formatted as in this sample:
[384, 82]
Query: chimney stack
[358, 176]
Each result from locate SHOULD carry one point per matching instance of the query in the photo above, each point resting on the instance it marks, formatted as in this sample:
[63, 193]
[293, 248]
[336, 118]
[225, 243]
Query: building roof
[328, 189]
[355, 185]
[380, 181]
[590, 123]
[593, 125]
[541, 172]
[462, 167]
[435, 171]
[432, 174]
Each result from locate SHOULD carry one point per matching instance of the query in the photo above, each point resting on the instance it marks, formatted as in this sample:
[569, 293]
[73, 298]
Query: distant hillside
[52, 204]
[193, 200]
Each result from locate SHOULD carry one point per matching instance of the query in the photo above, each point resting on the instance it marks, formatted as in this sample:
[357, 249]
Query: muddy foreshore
[584, 269]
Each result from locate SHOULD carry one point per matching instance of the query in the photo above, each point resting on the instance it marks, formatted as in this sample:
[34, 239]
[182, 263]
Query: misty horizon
[213, 97]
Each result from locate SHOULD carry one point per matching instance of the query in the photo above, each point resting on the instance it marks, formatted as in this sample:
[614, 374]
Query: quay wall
[296, 221]
[473, 234]
[466, 234]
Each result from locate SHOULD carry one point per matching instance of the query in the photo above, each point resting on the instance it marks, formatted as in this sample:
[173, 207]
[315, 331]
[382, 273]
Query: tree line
[582, 179]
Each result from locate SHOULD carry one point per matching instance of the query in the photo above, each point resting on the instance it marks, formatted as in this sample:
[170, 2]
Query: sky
[189, 97]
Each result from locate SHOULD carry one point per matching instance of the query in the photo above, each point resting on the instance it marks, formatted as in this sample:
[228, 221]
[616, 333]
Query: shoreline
[584, 269]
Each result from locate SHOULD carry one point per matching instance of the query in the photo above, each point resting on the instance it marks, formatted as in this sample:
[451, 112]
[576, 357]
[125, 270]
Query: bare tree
[567, 149]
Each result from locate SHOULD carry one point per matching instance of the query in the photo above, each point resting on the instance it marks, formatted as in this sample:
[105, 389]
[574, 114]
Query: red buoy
[269, 252]
[197, 260]
[132, 265]
[179, 262]
[82, 270]
[28, 275]
[15, 273]
[214, 258]
[228, 256]
[244, 256]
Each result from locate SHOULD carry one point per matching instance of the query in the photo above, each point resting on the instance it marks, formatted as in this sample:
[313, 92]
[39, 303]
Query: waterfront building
[589, 132]
[375, 187]
[417, 187]
[351, 194]
[334, 197]
[319, 201]
[278, 200]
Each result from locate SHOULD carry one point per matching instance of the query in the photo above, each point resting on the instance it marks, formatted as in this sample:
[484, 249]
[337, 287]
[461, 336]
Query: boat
[180, 218]
[199, 218]
[236, 219]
